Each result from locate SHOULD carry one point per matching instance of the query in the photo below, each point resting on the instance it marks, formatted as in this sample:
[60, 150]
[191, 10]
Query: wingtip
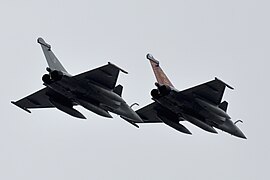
[24, 108]
[122, 70]
[230, 87]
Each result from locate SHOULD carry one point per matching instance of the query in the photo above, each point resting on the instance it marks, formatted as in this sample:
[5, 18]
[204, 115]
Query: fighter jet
[94, 90]
[200, 105]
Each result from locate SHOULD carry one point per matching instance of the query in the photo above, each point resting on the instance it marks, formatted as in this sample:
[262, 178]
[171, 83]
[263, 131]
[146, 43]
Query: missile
[199, 123]
[67, 109]
[175, 125]
[95, 109]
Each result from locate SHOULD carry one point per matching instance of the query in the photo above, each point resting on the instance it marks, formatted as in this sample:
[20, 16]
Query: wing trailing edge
[38, 99]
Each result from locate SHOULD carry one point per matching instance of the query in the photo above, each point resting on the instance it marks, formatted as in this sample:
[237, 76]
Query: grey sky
[194, 41]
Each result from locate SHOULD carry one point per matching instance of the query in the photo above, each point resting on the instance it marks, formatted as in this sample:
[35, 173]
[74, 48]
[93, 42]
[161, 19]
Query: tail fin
[160, 75]
[118, 90]
[53, 62]
[223, 106]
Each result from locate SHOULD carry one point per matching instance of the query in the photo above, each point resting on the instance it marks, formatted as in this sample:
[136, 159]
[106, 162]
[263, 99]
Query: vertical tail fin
[160, 75]
[53, 62]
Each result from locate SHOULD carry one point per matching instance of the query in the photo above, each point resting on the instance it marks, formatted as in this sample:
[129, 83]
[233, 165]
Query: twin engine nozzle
[161, 90]
[52, 76]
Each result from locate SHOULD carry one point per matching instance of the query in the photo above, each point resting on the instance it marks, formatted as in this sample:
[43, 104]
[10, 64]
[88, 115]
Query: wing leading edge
[212, 91]
[105, 76]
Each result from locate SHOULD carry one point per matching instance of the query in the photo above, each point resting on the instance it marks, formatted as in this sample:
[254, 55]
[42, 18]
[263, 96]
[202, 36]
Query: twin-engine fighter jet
[95, 90]
[200, 105]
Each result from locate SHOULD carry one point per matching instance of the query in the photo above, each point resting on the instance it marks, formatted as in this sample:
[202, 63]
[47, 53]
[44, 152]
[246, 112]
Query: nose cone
[230, 127]
[239, 133]
[127, 113]
[133, 116]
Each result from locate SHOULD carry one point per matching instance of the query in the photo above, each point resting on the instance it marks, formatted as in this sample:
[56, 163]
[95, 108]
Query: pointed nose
[134, 117]
[230, 127]
[239, 133]
[126, 112]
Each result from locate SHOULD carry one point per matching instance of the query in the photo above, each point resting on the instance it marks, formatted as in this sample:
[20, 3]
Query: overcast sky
[195, 41]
